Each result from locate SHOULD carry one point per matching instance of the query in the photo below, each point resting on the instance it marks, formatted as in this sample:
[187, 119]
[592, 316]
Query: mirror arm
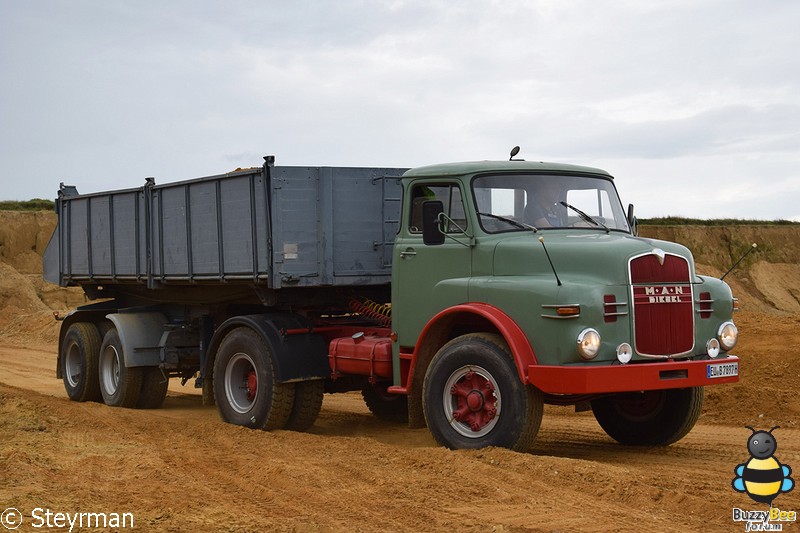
[442, 218]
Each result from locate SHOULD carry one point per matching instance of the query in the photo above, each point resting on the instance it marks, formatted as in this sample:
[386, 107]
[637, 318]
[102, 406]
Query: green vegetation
[682, 221]
[37, 204]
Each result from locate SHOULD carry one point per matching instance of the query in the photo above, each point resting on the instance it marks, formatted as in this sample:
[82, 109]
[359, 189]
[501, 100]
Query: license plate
[722, 370]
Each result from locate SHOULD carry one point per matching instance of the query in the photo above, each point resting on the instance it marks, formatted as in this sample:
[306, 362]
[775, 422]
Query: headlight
[624, 353]
[588, 343]
[712, 348]
[727, 335]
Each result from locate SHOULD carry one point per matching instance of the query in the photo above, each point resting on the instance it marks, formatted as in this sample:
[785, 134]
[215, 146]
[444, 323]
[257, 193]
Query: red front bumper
[598, 379]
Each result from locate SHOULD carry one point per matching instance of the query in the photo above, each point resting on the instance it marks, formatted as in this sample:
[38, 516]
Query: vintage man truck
[458, 296]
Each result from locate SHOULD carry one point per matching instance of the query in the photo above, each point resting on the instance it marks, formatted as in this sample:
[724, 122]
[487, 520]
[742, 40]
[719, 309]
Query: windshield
[515, 202]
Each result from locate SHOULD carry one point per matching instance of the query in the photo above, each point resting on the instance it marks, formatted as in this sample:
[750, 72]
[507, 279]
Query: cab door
[429, 278]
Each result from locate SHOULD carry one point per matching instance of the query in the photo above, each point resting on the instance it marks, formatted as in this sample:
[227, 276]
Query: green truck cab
[526, 284]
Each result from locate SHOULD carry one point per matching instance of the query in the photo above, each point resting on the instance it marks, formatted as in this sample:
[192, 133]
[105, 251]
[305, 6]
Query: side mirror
[632, 221]
[432, 233]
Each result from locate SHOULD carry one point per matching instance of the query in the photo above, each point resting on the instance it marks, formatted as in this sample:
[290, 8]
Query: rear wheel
[649, 418]
[390, 407]
[120, 385]
[473, 396]
[307, 404]
[245, 388]
[79, 359]
[154, 388]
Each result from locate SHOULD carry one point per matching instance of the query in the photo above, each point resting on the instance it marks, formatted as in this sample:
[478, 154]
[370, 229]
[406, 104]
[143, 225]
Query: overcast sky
[694, 106]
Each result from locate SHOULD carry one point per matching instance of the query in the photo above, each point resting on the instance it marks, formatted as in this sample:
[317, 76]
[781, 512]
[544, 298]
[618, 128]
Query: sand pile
[27, 302]
[768, 281]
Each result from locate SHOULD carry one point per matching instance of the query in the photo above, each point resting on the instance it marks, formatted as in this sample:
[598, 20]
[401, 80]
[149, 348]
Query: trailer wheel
[119, 385]
[244, 383]
[390, 407]
[473, 396]
[80, 351]
[650, 418]
[307, 404]
[154, 388]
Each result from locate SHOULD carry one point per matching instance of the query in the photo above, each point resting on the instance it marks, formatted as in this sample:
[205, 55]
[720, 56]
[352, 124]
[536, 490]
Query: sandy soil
[179, 468]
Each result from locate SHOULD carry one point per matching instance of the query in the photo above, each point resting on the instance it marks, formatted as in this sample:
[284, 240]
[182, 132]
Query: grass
[37, 204]
[682, 221]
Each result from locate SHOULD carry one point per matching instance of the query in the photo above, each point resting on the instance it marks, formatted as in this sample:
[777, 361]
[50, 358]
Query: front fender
[521, 349]
[439, 330]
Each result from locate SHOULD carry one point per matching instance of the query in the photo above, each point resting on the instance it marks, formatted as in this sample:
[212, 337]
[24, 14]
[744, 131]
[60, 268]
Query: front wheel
[473, 396]
[650, 418]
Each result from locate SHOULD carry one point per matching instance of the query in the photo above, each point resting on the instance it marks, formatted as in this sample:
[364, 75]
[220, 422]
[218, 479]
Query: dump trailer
[461, 297]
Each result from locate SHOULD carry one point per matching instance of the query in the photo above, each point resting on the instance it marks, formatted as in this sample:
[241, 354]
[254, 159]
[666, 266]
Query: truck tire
[307, 404]
[119, 385]
[244, 383]
[473, 396]
[154, 388]
[389, 407]
[80, 352]
[650, 418]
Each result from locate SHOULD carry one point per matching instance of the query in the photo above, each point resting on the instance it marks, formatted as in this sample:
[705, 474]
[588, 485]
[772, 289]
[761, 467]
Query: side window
[449, 195]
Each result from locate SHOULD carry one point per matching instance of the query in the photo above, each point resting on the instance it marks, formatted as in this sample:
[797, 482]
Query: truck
[461, 296]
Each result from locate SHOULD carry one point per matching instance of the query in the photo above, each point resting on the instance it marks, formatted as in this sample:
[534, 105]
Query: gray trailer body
[273, 227]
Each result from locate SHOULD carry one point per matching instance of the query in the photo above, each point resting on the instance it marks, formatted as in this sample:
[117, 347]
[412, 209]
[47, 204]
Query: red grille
[663, 307]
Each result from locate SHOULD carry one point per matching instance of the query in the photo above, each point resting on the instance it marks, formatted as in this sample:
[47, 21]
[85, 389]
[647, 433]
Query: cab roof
[476, 167]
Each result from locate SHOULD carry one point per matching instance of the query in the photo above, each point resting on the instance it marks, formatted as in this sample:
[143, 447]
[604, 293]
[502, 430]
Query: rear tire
[154, 388]
[389, 407]
[473, 396]
[245, 388]
[80, 352]
[119, 385]
[650, 418]
[307, 404]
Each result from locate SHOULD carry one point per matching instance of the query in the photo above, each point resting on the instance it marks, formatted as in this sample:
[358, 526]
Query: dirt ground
[179, 468]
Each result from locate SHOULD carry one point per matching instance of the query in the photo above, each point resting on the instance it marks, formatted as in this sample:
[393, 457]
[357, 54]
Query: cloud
[105, 93]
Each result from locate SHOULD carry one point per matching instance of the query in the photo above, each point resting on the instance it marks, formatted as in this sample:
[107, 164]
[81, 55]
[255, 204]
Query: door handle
[410, 252]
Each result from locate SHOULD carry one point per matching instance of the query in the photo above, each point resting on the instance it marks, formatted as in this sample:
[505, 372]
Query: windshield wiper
[585, 217]
[511, 221]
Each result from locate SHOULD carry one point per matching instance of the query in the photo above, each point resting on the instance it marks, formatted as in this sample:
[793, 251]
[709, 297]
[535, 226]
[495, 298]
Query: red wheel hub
[252, 385]
[475, 401]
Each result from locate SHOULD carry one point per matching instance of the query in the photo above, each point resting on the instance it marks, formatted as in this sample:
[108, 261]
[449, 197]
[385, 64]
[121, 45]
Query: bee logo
[762, 477]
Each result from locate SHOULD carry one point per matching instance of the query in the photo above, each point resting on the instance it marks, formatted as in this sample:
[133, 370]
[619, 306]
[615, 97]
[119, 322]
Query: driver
[542, 209]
